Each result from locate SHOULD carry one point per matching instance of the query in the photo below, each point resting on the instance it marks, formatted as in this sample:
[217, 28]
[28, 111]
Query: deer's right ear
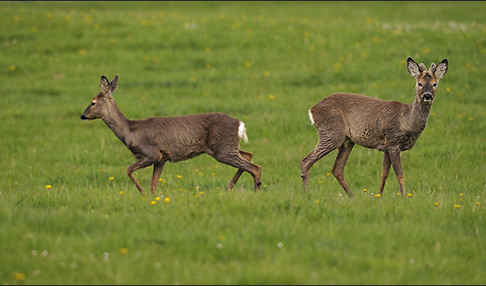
[104, 84]
[413, 67]
[114, 83]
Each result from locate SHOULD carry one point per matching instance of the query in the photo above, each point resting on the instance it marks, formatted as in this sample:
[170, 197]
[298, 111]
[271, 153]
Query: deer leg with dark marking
[386, 168]
[397, 167]
[158, 166]
[247, 156]
[338, 169]
[135, 166]
[237, 161]
[325, 145]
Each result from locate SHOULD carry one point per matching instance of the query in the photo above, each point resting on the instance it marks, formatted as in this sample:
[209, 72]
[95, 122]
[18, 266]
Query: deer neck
[117, 122]
[417, 116]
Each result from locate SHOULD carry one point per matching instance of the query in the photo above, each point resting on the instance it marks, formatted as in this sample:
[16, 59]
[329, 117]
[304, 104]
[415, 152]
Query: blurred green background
[266, 64]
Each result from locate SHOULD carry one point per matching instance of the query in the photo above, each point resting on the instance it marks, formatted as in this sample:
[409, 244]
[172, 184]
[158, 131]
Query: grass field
[265, 64]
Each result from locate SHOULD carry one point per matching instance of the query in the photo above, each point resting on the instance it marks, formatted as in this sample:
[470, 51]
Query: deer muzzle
[428, 97]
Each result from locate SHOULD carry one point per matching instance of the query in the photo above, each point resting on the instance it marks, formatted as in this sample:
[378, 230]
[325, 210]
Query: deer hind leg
[327, 143]
[247, 156]
[386, 169]
[236, 160]
[158, 167]
[338, 169]
[135, 166]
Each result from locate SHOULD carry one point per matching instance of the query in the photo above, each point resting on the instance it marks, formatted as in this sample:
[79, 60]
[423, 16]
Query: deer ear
[104, 84]
[441, 69]
[413, 67]
[114, 83]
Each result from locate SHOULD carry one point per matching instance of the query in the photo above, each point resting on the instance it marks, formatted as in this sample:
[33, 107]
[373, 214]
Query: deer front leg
[158, 166]
[386, 168]
[397, 167]
[135, 166]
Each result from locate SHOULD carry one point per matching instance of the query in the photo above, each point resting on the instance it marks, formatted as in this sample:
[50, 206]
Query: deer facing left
[156, 140]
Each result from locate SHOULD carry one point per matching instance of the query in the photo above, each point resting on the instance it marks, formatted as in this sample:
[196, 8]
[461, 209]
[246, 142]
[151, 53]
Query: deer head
[427, 79]
[101, 104]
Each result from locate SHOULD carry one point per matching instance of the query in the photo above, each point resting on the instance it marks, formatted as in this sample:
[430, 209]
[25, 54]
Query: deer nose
[428, 96]
[83, 117]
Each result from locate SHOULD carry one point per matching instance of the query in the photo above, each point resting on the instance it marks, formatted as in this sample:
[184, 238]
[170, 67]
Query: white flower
[106, 256]
[44, 252]
[280, 245]
[219, 245]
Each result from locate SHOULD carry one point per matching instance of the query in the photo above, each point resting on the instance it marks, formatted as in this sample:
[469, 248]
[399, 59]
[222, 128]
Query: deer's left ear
[441, 69]
[114, 83]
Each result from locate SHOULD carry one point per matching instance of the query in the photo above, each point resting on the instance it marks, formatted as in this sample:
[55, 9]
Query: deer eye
[93, 103]
[420, 84]
[434, 85]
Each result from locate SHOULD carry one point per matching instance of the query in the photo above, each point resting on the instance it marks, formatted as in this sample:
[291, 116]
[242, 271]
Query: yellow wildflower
[409, 195]
[399, 194]
[461, 194]
[213, 174]
[48, 187]
[316, 202]
[111, 178]
[436, 204]
[365, 190]
[153, 202]
[478, 204]
[19, 276]
[124, 251]
[457, 206]
[12, 68]
[167, 200]
[328, 174]
[162, 181]
[271, 96]
[378, 196]
[179, 177]
[121, 193]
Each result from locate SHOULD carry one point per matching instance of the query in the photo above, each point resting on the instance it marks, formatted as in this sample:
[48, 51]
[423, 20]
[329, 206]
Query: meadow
[69, 214]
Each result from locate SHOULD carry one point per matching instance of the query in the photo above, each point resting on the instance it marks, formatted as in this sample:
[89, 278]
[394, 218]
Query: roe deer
[154, 141]
[343, 120]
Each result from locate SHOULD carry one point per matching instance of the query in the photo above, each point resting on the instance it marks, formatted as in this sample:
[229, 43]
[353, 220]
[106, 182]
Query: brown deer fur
[154, 141]
[343, 120]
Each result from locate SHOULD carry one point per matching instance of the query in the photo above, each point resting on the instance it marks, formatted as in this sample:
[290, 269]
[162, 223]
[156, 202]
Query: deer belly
[181, 156]
[366, 137]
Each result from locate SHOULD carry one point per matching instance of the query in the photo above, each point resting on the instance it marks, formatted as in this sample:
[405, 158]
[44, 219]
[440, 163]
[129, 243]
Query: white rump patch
[242, 132]
[311, 117]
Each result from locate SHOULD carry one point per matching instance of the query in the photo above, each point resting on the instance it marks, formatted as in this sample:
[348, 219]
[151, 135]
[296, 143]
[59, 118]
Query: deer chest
[406, 140]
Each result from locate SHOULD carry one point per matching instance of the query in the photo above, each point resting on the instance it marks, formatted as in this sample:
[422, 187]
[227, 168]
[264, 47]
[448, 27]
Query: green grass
[265, 64]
